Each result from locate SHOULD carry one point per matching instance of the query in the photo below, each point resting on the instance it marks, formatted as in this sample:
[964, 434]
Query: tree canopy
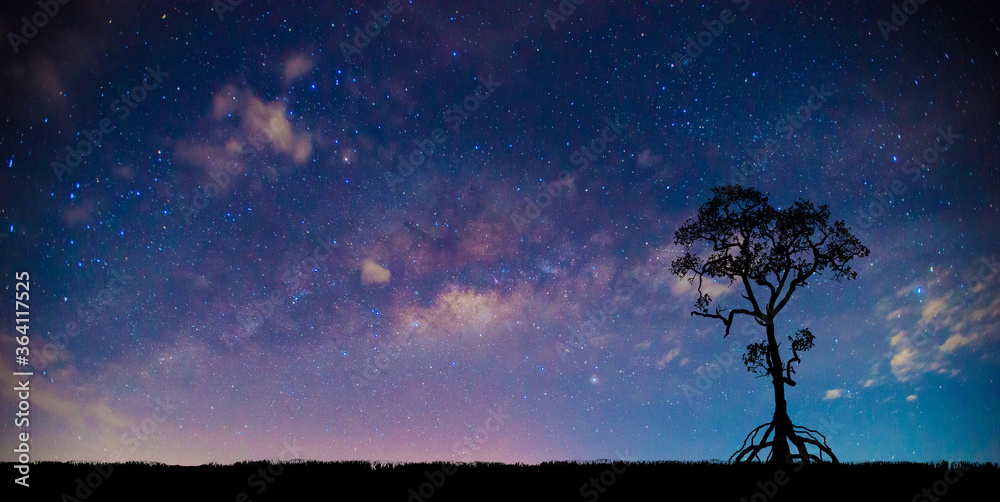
[757, 244]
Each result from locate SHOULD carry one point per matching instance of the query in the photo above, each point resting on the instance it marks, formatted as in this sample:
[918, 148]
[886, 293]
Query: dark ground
[592, 482]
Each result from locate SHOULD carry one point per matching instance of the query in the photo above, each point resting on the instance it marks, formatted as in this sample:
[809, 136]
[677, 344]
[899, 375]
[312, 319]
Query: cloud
[124, 171]
[74, 410]
[225, 102]
[911, 398]
[373, 273]
[271, 121]
[81, 214]
[895, 314]
[898, 338]
[203, 155]
[904, 364]
[55, 65]
[833, 394]
[297, 66]
[666, 358]
[647, 159]
[927, 327]
[954, 342]
[933, 308]
[263, 124]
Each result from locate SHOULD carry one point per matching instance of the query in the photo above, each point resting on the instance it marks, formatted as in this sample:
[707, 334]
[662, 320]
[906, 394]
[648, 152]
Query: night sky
[255, 227]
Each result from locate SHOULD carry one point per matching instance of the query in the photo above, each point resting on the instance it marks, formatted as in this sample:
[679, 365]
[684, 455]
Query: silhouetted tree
[771, 253]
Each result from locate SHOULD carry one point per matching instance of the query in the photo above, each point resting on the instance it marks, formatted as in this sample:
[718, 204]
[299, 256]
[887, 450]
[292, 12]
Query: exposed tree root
[798, 435]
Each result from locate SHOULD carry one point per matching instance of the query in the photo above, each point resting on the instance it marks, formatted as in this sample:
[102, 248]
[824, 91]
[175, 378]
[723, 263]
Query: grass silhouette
[549, 481]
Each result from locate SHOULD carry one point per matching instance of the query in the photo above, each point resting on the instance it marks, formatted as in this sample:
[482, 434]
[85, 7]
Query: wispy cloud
[934, 317]
[833, 394]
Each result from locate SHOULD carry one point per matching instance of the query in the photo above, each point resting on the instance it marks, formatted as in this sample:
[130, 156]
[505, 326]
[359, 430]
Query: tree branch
[728, 321]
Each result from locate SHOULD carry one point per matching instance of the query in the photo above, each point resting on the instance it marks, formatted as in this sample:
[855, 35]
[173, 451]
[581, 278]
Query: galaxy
[415, 231]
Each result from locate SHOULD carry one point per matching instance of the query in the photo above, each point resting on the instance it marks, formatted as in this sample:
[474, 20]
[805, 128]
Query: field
[588, 482]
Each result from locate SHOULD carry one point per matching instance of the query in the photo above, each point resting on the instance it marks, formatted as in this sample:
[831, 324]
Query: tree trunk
[781, 422]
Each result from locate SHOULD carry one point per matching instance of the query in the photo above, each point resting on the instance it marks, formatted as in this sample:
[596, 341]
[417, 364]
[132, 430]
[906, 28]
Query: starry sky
[252, 226]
